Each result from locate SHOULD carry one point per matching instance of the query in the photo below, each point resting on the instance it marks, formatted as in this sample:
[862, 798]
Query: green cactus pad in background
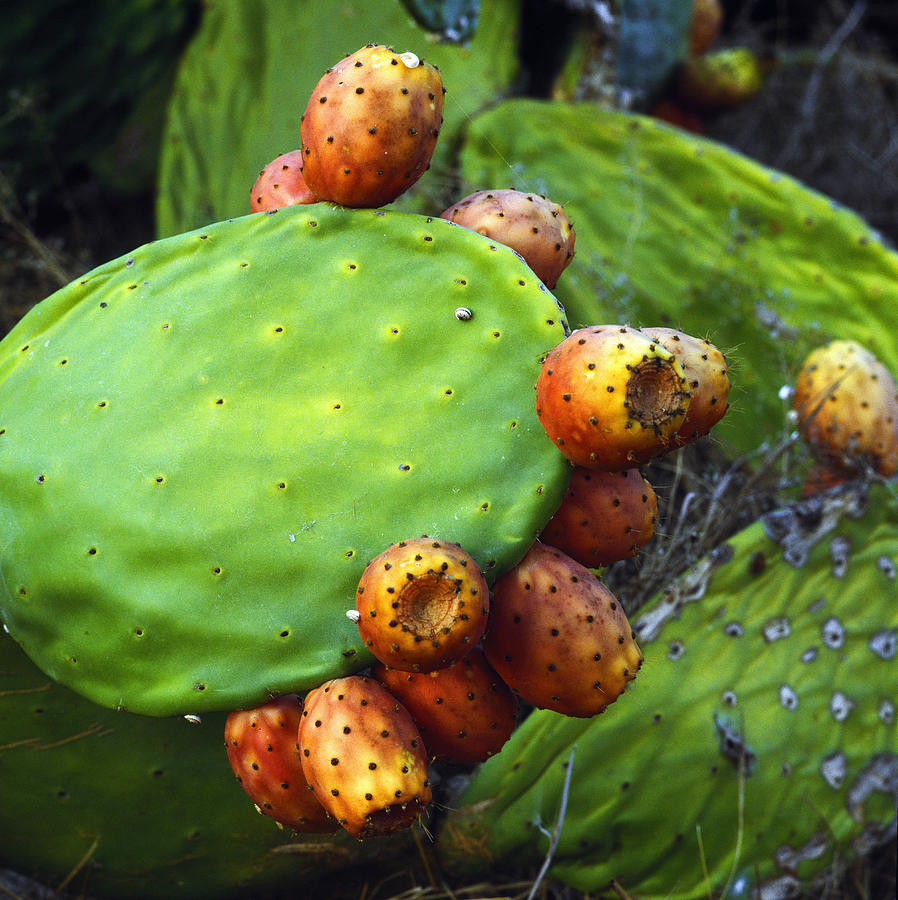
[203, 443]
[677, 230]
[138, 807]
[759, 740]
[247, 75]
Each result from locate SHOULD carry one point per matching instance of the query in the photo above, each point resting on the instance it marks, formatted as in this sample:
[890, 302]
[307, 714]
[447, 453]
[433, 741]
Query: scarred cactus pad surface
[757, 746]
[204, 442]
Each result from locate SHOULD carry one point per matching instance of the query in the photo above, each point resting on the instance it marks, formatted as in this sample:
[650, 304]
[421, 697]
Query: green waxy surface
[247, 75]
[202, 444]
[138, 807]
[795, 664]
[677, 230]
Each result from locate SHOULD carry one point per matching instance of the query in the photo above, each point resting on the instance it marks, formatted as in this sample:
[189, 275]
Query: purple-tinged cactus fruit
[611, 398]
[422, 604]
[604, 517]
[281, 183]
[558, 637]
[529, 223]
[371, 126]
[364, 756]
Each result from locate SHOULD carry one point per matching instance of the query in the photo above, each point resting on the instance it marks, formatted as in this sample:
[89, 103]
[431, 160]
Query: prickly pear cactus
[758, 744]
[203, 443]
[138, 807]
[245, 65]
[677, 230]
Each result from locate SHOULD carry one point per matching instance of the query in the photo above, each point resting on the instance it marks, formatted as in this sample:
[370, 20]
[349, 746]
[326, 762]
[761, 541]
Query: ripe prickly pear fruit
[705, 368]
[263, 751]
[604, 516]
[281, 183]
[371, 126]
[538, 229]
[558, 637]
[847, 406]
[611, 398]
[707, 20]
[465, 712]
[363, 756]
[422, 604]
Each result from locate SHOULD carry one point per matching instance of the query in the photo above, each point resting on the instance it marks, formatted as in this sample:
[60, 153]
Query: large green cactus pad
[677, 230]
[246, 77]
[759, 741]
[138, 807]
[203, 443]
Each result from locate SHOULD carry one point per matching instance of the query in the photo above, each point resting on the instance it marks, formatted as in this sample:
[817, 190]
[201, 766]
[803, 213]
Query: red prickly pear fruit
[263, 751]
[707, 375]
[363, 756]
[672, 113]
[611, 398]
[824, 475]
[705, 26]
[281, 183]
[846, 402]
[371, 126]
[465, 712]
[604, 516]
[422, 604]
[558, 637]
[538, 229]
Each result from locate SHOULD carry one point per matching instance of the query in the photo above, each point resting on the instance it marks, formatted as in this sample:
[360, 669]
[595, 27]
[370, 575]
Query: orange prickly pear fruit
[707, 20]
[604, 516]
[363, 756]
[371, 126]
[558, 637]
[263, 751]
[422, 604]
[465, 712]
[611, 398]
[538, 229]
[705, 368]
[846, 402]
[281, 183]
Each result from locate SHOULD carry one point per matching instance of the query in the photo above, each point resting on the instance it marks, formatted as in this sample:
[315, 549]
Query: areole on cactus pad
[203, 443]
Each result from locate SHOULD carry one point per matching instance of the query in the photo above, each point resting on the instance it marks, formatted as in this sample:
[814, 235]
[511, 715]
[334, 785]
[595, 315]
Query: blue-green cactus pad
[202, 444]
[674, 229]
[758, 744]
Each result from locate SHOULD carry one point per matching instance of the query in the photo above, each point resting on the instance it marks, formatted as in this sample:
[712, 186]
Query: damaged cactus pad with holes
[203, 443]
[768, 688]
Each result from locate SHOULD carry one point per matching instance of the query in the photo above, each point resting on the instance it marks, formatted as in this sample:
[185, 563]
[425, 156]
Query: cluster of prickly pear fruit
[613, 397]
[368, 134]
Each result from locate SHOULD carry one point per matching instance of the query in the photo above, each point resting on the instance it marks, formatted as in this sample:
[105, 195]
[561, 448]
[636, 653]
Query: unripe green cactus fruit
[204, 442]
